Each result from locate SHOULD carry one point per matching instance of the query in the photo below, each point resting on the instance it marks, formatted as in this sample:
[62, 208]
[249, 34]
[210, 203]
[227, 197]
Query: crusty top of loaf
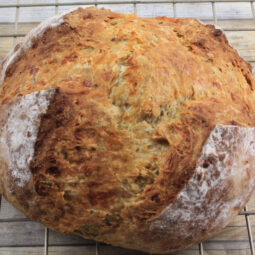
[134, 102]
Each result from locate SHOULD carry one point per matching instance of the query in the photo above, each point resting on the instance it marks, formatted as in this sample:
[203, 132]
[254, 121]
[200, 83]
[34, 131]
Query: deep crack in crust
[137, 100]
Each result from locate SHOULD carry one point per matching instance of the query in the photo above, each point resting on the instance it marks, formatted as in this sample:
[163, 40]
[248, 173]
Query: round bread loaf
[131, 131]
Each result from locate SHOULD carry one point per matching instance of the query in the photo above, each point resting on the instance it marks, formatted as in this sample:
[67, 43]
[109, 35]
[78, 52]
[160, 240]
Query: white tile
[36, 1]
[195, 10]
[35, 14]
[154, 10]
[7, 15]
[233, 10]
[71, 7]
[75, 1]
[2, 2]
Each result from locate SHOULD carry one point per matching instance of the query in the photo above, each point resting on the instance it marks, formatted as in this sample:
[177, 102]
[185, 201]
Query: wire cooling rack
[17, 4]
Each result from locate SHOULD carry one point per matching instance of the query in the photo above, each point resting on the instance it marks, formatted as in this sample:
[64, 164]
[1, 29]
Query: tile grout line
[121, 2]
[46, 238]
[215, 21]
[252, 10]
[16, 23]
[56, 7]
[97, 248]
[248, 225]
[174, 10]
[201, 249]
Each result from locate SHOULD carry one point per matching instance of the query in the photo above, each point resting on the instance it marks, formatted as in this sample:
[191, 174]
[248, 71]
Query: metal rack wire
[246, 213]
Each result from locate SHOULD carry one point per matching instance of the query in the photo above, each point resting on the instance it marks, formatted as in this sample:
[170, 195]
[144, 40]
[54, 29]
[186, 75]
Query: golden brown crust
[137, 100]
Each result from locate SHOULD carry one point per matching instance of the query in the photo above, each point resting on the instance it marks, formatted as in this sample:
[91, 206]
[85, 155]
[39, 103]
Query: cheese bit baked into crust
[137, 132]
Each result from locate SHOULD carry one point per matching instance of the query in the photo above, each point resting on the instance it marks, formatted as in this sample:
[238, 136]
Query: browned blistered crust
[137, 100]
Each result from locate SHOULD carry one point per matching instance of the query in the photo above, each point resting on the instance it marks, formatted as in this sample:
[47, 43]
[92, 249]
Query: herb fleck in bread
[135, 132]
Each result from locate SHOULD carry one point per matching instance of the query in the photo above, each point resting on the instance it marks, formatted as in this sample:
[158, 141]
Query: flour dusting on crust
[19, 133]
[216, 191]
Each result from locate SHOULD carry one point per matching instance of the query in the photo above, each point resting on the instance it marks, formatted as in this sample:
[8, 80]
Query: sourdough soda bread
[131, 131]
